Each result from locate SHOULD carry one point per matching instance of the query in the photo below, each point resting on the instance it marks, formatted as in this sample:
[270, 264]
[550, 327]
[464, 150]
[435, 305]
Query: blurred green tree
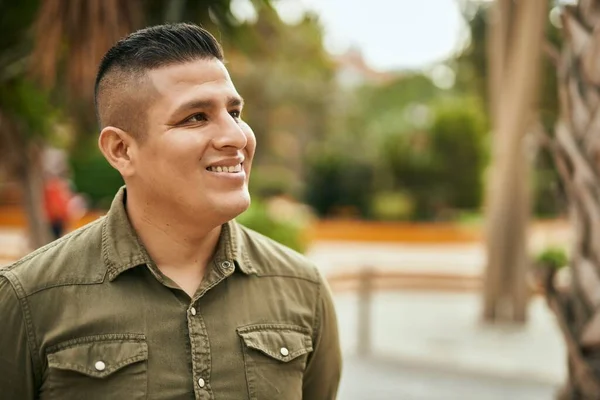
[459, 144]
[339, 184]
[440, 166]
[422, 146]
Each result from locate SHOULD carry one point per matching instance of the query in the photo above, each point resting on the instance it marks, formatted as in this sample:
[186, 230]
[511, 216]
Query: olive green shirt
[90, 316]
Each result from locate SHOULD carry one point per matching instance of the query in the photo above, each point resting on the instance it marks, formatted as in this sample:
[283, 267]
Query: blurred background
[407, 147]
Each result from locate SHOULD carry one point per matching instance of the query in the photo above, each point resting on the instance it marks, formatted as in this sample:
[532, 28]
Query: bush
[440, 167]
[552, 257]
[392, 206]
[284, 231]
[458, 139]
[94, 177]
[338, 184]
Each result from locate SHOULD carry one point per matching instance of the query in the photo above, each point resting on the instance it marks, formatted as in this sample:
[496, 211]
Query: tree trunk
[575, 146]
[24, 161]
[31, 179]
[515, 65]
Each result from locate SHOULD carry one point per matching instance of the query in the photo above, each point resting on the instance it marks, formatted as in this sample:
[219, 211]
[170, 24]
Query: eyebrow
[232, 101]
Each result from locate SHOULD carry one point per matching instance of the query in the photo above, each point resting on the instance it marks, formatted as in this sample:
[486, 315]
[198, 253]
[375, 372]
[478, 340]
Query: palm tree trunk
[576, 149]
[515, 61]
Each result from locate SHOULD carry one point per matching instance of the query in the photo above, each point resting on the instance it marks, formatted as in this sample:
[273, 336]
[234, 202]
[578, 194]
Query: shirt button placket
[198, 339]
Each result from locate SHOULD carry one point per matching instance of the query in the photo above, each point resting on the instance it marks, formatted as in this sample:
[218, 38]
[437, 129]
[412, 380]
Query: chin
[234, 207]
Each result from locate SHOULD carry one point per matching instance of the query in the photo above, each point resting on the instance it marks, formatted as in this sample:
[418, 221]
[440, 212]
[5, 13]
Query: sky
[391, 34]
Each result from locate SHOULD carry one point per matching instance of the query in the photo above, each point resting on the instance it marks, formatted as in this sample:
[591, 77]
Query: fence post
[365, 294]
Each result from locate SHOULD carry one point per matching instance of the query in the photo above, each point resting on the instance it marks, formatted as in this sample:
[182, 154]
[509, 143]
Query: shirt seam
[114, 368]
[317, 313]
[97, 339]
[31, 340]
[268, 275]
[60, 284]
[51, 245]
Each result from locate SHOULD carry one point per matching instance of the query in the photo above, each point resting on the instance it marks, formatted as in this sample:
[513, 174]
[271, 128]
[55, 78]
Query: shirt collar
[231, 248]
[123, 250]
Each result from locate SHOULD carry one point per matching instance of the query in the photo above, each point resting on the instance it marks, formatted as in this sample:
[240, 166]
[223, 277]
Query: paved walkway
[428, 345]
[13, 244]
[373, 379]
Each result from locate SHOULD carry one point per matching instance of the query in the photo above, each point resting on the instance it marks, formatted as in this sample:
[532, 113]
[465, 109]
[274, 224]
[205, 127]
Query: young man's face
[197, 152]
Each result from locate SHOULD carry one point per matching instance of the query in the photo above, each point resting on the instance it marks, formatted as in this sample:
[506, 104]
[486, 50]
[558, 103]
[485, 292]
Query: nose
[230, 134]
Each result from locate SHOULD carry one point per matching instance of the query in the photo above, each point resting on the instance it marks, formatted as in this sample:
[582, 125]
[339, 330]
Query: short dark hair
[151, 48]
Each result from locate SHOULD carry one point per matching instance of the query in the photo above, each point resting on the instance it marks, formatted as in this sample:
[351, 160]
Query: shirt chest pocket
[97, 367]
[275, 358]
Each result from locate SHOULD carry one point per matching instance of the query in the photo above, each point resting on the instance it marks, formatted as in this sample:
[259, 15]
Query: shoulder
[73, 259]
[270, 258]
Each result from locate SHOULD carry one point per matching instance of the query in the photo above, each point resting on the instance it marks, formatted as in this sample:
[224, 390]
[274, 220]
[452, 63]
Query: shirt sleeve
[16, 370]
[324, 367]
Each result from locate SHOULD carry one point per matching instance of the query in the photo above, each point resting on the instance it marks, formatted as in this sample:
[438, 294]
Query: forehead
[199, 79]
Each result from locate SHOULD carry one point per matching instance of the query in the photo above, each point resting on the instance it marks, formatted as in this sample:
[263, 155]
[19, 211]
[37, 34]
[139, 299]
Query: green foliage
[272, 180]
[552, 257]
[405, 90]
[337, 184]
[392, 206]
[286, 232]
[459, 157]
[471, 63]
[15, 21]
[440, 167]
[94, 177]
[29, 106]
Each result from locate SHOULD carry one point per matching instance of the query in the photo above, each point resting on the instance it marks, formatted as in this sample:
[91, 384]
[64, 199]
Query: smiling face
[196, 153]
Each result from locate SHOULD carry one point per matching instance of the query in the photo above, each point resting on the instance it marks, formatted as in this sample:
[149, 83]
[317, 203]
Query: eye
[200, 117]
[236, 114]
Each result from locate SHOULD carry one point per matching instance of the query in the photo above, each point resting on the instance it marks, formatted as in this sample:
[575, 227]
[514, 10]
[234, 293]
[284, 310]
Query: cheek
[180, 151]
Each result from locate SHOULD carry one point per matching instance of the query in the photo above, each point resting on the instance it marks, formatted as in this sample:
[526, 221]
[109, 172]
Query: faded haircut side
[123, 90]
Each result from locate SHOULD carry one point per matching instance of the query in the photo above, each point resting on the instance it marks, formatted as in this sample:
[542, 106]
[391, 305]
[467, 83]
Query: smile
[230, 170]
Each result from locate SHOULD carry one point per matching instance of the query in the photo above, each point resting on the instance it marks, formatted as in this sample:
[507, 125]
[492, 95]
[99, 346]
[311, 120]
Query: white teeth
[236, 168]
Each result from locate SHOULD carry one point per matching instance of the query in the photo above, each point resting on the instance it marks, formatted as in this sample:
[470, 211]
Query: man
[166, 297]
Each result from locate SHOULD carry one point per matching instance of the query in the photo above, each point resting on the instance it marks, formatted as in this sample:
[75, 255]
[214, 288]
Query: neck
[172, 240]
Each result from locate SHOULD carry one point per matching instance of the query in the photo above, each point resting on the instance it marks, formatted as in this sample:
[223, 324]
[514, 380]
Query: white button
[201, 382]
[193, 311]
[284, 352]
[226, 264]
[100, 366]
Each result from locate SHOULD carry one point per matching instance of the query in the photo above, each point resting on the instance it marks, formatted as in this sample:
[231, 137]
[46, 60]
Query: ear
[118, 148]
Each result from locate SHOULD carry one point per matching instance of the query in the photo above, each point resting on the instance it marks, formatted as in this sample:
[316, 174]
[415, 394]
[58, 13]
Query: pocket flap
[282, 342]
[98, 357]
